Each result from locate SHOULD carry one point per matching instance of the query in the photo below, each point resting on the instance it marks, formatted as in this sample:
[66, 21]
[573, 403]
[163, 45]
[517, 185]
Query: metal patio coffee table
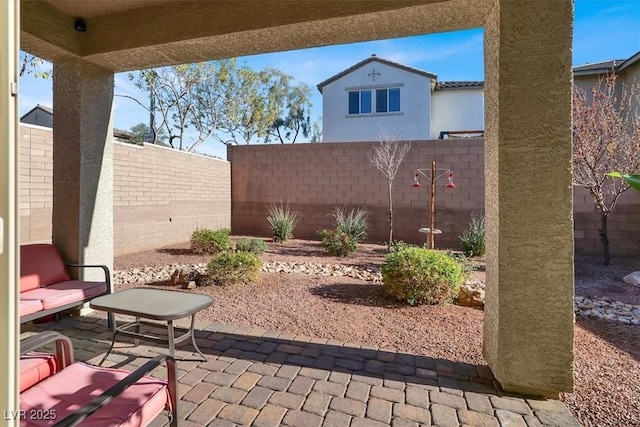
[153, 304]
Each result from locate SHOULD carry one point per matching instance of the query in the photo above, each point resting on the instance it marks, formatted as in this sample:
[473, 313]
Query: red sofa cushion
[35, 367]
[79, 383]
[29, 306]
[68, 292]
[40, 265]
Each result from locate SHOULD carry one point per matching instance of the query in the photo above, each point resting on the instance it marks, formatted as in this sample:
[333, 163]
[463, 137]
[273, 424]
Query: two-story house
[377, 95]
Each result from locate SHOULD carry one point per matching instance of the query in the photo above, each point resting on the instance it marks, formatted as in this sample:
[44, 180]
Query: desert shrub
[230, 268]
[283, 221]
[472, 240]
[338, 243]
[466, 264]
[421, 276]
[398, 245]
[350, 229]
[206, 241]
[254, 246]
[353, 224]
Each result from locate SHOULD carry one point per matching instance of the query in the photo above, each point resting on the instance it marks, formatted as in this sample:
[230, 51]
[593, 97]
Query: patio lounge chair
[82, 394]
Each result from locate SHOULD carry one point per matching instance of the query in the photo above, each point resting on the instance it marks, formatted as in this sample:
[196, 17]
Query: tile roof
[376, 58]
[459, 85]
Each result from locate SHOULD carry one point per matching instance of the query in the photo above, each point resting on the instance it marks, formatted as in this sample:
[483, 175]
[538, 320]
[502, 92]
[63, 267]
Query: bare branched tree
[387, 156]
[606, 137]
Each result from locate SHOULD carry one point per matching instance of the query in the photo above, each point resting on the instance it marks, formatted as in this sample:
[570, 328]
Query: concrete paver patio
[265, 378]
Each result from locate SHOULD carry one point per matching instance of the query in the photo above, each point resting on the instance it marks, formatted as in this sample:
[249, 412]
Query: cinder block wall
[314, 178]
[36, 183]
[623, 224]
[160, 195]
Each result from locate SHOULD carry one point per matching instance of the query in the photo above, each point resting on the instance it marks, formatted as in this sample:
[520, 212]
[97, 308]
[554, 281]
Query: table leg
[136, 341]
[170, 332]
[193, 337]
[113, 341]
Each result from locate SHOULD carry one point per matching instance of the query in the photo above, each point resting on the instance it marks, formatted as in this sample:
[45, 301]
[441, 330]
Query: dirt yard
[607, 354]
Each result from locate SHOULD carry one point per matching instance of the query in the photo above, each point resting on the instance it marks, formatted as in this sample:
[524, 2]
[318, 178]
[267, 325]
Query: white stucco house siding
[412, 121]
[457, 109]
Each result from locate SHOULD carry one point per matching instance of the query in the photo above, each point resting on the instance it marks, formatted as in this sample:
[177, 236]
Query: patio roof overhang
[528, 328]
[123, 35]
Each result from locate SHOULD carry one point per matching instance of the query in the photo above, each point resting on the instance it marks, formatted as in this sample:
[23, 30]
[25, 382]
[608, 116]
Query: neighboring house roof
[118, 133]
[375, 58]
[603, 67]
[38, 107]
[122, 134]
[459, 85]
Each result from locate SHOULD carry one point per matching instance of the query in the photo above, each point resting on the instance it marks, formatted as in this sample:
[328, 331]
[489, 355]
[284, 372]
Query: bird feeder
[431, 231]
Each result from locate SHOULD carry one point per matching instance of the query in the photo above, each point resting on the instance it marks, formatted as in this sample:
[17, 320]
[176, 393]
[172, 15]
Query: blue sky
[603, 30]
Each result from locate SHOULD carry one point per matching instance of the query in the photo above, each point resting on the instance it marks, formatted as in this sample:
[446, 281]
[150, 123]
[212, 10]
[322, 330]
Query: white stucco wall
[412, 122]
[457, 109]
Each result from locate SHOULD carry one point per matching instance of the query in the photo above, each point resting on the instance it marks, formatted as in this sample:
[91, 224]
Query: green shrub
[398, 245]
[350, 229]
[421, 276]
[254, 246]
[472, 240]
[283, 221]
[206, 241]
[353, 224]
[230, 268]
[466, 264]
[338, 243]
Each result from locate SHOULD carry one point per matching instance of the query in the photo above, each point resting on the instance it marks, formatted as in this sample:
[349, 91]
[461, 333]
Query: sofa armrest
[64, 347]
[107, 280]
[104, 268]
[84, 412]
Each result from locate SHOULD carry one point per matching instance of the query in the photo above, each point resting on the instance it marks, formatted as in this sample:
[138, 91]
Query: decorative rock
[472, 294]
[632, 279]
[606, 309]
[191, 285]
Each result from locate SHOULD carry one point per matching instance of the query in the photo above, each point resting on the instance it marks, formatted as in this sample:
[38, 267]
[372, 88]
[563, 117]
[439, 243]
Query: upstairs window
[387, 100]
[360, 102]
[363, 102]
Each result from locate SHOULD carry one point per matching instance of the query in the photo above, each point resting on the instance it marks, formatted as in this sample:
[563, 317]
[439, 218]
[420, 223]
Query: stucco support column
[83, 164]
[528, 327]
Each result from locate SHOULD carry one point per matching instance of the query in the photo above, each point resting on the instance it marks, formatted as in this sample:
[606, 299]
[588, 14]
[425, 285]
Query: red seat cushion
[68, 292]
[40, 265]
[29, 306]
[35, 367]
[79, 383]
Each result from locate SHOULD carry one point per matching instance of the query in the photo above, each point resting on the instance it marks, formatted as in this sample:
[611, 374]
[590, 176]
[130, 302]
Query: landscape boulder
[633, 278]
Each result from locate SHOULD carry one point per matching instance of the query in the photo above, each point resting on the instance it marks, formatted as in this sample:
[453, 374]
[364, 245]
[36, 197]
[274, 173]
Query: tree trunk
[390, 183]
[604, 238]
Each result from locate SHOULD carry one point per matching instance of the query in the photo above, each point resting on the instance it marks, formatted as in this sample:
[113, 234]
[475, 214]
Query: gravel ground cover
[607, 354]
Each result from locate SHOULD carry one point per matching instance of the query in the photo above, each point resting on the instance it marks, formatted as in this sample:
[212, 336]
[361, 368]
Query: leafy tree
[30, 64]
[223, 101]
[387, 156]
[293, 106]
[189, 99]
[141, 128]
[316, 131]
[606, 137]
[251, 107]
